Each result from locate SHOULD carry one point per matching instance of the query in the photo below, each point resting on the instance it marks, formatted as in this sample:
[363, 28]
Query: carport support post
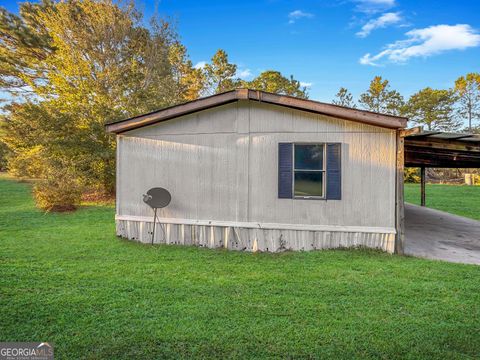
[422, 185]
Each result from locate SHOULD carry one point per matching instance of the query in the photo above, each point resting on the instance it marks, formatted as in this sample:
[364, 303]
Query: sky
[327, 44]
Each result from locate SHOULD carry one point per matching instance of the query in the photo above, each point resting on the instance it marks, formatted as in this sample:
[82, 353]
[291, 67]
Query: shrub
[411, 175]
[3, 156]
[60, 189]
[57, 194]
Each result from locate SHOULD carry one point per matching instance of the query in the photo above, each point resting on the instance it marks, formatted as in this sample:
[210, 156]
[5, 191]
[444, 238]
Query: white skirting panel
[252, 239]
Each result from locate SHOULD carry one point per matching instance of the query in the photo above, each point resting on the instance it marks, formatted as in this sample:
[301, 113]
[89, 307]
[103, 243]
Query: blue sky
[333, 43]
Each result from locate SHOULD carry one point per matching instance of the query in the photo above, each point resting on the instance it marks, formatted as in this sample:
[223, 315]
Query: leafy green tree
[220, 74]
[344, 98]
[73, 65]
[25, 136]
[467, 89]
[85, 62]
[191, 81]
[381, 98]
[275, 82]
[433, 108]
[25, 44]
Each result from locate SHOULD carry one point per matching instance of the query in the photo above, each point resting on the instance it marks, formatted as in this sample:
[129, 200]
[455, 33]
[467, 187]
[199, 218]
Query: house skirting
[253, 236]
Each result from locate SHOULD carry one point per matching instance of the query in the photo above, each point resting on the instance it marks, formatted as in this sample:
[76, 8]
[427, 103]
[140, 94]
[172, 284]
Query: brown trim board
[362, 116]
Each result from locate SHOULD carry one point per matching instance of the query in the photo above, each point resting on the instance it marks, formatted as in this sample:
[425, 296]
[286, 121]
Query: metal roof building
[251, 170]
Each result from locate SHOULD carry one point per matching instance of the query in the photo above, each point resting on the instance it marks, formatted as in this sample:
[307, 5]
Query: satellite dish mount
[156, 198]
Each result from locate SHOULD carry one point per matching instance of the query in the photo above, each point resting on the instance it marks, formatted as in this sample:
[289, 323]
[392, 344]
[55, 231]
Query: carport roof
[442, 149]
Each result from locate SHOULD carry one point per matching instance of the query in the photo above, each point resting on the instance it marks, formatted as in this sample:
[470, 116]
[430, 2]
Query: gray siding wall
[221, 164]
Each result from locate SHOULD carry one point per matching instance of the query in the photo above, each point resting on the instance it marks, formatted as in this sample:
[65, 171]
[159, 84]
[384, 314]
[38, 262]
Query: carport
[432, 233]
[438, 149]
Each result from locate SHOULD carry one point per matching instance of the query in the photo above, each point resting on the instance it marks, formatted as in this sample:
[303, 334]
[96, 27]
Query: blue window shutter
[334, 171]
[285, 170]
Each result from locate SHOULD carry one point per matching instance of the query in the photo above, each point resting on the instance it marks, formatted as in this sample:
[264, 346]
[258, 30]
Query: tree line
[434, 109]
[451, 110]
[69, 67]
[74, 65]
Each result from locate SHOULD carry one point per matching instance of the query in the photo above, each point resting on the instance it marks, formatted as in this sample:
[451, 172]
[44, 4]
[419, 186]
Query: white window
[309, 170]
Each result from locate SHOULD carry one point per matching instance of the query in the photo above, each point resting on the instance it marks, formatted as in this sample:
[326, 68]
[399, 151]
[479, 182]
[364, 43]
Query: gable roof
[362, 116]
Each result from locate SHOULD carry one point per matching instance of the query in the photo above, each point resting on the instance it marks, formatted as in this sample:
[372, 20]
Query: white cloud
[380, 22]
[426, 42]
[244, 73]
[200, 65]
[306, 84]
[298, 14]
[374, 6]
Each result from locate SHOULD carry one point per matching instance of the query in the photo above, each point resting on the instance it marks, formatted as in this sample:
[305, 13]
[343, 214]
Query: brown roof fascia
[362, 116]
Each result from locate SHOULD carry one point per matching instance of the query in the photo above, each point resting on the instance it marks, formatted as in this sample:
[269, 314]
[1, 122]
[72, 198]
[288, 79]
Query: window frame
[323, 171]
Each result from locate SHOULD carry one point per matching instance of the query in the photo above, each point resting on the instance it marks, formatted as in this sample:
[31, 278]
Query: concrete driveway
[438, 235]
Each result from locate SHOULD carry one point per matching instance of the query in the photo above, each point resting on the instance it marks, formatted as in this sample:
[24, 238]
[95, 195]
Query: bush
[3, 156]
[57, 194]
[60, 190]
[411, 175]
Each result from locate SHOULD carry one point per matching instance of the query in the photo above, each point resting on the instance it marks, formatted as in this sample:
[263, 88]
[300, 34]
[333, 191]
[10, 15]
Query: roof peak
[363, 116]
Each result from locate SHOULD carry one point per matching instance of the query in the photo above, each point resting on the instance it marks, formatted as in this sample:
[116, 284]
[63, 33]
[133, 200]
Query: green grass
[456, 199]
[66, 279]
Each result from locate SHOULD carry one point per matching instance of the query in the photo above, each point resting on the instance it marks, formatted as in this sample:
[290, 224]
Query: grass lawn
[456, 199]
[66, 279]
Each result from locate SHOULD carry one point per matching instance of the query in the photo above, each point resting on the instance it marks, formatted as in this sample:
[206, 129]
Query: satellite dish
[157, 198]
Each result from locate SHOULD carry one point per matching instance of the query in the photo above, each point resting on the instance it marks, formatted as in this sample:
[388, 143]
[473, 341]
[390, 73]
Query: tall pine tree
[467, 89]
[274, 82]
[344, 98]
[380, 98]
[434, 109]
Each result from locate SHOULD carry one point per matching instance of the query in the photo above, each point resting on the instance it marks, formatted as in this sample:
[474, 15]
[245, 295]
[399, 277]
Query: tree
[275, 82]
[380, 98]
[24, 45]
[433, 108]
[25, 135]
[191, 81]
[220, 74]
[467, 89]
[344, 98]
[85, 62]
[71, 66]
